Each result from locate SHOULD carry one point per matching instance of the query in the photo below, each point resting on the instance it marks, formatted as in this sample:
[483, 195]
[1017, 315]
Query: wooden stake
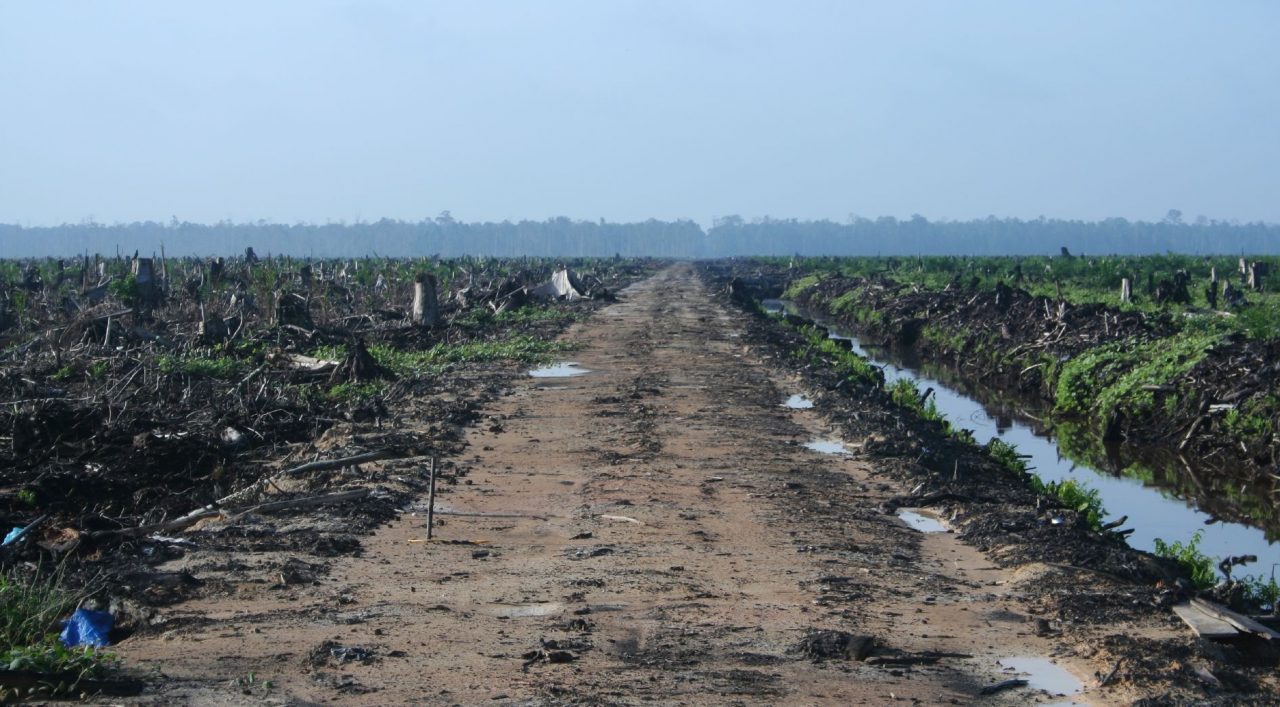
[431, 500]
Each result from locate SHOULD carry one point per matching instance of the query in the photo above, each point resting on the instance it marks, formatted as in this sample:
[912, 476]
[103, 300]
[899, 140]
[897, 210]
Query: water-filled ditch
[1154, 511]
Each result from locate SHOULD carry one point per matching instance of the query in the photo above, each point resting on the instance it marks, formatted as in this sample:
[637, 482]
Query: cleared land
[655, 530]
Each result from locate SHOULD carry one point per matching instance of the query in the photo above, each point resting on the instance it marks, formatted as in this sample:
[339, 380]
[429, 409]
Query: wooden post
[1126, 290]
[1212, 291]
[431, 500]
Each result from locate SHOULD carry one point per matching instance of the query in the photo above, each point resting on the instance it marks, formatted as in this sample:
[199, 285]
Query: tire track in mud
[654, 530]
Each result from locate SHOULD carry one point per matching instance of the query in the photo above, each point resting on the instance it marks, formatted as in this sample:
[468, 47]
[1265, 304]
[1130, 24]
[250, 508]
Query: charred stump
[359, 365]
[217, 268]
[292, 309]
[426, 310]
[144, 274]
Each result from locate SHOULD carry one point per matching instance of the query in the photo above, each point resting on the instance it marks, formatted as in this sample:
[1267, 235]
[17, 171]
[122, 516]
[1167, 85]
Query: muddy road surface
[654, 530]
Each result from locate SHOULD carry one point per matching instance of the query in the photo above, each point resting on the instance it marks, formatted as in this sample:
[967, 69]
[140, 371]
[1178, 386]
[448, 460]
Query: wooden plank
[1240, 621]
[1203, 624]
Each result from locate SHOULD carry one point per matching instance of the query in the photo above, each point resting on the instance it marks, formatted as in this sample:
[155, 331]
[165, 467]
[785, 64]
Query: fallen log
[318, 465]
[326, 464]
[308, 502]
[176, 524]
[235, 513]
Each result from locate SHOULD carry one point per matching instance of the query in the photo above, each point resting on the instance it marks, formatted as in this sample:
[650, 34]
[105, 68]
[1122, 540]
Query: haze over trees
[729, 236]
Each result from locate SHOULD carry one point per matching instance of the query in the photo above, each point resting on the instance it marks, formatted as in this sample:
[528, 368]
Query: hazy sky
[315, 111]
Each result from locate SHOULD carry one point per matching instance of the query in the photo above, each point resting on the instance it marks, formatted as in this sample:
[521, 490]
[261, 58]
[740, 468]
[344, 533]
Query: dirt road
[654, 530]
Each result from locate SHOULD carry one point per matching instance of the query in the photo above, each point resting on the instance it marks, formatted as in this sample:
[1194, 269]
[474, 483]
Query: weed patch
[31, 606]
[1121, 377]
[1199, 566]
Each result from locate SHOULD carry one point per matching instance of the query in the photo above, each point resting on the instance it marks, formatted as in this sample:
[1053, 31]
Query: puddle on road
[923, 523]
[568, 369]
[520, 611]
[1042, 674]
[799, 401]
[825, 446]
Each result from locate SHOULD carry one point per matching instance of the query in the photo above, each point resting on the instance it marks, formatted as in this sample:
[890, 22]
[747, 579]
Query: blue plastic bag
[87, 628]
[14, 535]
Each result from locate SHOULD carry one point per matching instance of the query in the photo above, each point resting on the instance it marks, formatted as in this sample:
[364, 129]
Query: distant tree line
[729, 236]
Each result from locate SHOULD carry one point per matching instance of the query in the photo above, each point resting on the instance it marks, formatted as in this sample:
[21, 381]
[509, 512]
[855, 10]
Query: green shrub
[1261, 321]
[858, 369]
[1074, 495]
[221, 367]
[1117, 376]
[31, 606]
[1199, 566]
[1006, 454]
[126, 290]
[796, 287]
[1265, 594]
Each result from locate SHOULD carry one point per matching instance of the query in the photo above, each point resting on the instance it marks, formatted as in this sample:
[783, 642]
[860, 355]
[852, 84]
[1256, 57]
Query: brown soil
[654, 531]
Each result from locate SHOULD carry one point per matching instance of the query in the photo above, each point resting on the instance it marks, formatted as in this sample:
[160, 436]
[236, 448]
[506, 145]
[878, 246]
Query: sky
[318, 110]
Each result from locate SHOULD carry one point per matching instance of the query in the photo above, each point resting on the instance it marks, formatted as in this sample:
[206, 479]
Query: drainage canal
[1154, 511]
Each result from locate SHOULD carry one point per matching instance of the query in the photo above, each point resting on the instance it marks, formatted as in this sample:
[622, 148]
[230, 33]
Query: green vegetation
[1264, 593]
[1079, 280]
[433, 361]
[1006, 454]
[31, 606]
[856, 368]
[221, 367]
[529, 314]
[1252, 421]
[1074, 495]
[97, 370]
[356, 392]
[1199, 566]
[1120, 376]
[906, 394]
[125, 289]
[796, 287]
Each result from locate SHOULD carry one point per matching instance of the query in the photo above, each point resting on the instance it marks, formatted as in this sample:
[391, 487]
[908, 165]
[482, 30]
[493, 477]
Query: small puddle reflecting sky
[1042, 674]
[825, 446]
[568, 369]
[1152, 513]
[798, 402]
[921, 522]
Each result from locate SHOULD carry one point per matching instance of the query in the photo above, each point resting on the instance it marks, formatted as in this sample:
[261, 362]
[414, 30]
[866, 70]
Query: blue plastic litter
[87, 628]
[13, 535]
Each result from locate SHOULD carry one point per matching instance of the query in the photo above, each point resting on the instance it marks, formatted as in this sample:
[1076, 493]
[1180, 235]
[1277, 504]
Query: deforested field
[538, 481]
